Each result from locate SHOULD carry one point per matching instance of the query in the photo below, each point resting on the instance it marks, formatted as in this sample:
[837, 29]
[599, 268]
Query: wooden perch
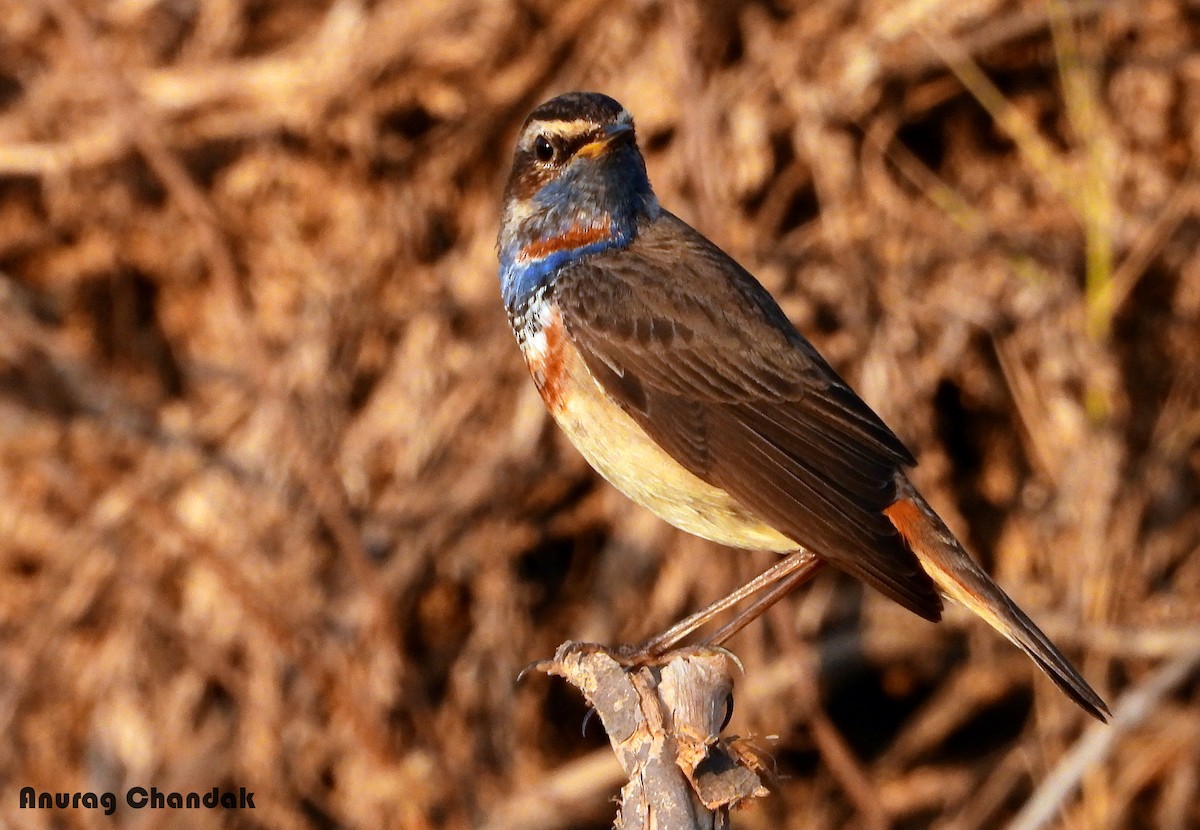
[664, 721]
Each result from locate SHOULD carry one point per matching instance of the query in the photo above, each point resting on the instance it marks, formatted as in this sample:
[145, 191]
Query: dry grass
[280, 509]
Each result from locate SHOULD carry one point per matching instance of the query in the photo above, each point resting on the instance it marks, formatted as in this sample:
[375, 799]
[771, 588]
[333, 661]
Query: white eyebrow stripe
[573, 128]
[564, 129]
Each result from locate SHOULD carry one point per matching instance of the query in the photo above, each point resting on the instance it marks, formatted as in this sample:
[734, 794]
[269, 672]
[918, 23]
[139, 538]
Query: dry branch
[664, 722]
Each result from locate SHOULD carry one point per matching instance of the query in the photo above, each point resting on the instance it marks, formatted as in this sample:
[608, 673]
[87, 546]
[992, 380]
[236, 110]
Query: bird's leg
[777, 581]
[800, 572]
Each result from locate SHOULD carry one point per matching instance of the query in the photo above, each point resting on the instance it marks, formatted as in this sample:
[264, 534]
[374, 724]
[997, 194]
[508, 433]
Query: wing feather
[727, 386]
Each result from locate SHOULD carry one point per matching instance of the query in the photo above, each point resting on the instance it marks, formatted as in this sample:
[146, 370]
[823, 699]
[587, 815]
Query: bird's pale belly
[614, 444]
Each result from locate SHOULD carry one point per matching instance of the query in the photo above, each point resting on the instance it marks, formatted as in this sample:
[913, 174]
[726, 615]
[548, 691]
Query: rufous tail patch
[945, 563]
[912, 523]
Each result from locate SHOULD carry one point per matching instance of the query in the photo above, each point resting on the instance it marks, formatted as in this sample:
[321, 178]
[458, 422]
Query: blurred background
[281, 509]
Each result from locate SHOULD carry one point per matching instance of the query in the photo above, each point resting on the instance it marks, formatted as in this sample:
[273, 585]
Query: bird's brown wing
[724, 383]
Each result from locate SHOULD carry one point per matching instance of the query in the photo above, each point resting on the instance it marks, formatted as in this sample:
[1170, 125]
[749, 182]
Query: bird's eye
[543, 150]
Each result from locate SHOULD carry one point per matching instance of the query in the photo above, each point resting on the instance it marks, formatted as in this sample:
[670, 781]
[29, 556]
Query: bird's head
[578, 186]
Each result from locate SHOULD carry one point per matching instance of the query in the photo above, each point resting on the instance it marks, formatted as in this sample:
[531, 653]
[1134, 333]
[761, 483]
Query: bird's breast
[619, 449]
[543, 341]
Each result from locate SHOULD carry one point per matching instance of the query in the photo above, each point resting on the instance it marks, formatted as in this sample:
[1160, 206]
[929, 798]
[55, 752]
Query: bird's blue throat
[525, 268]
[570, 218]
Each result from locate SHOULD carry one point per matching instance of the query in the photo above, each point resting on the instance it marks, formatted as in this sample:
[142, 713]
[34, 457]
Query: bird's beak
[614, 133]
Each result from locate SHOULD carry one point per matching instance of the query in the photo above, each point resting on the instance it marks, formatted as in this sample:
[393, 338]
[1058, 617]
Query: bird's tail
[962, 580]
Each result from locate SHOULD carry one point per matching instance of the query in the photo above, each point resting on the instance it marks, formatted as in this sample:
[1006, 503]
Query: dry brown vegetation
[279, 507]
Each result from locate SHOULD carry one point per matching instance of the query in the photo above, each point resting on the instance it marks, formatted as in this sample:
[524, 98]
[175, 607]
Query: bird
[680, 380]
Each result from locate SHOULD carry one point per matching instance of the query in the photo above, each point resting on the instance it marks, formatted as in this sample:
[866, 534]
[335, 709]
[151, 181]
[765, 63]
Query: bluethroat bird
[681, 381]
